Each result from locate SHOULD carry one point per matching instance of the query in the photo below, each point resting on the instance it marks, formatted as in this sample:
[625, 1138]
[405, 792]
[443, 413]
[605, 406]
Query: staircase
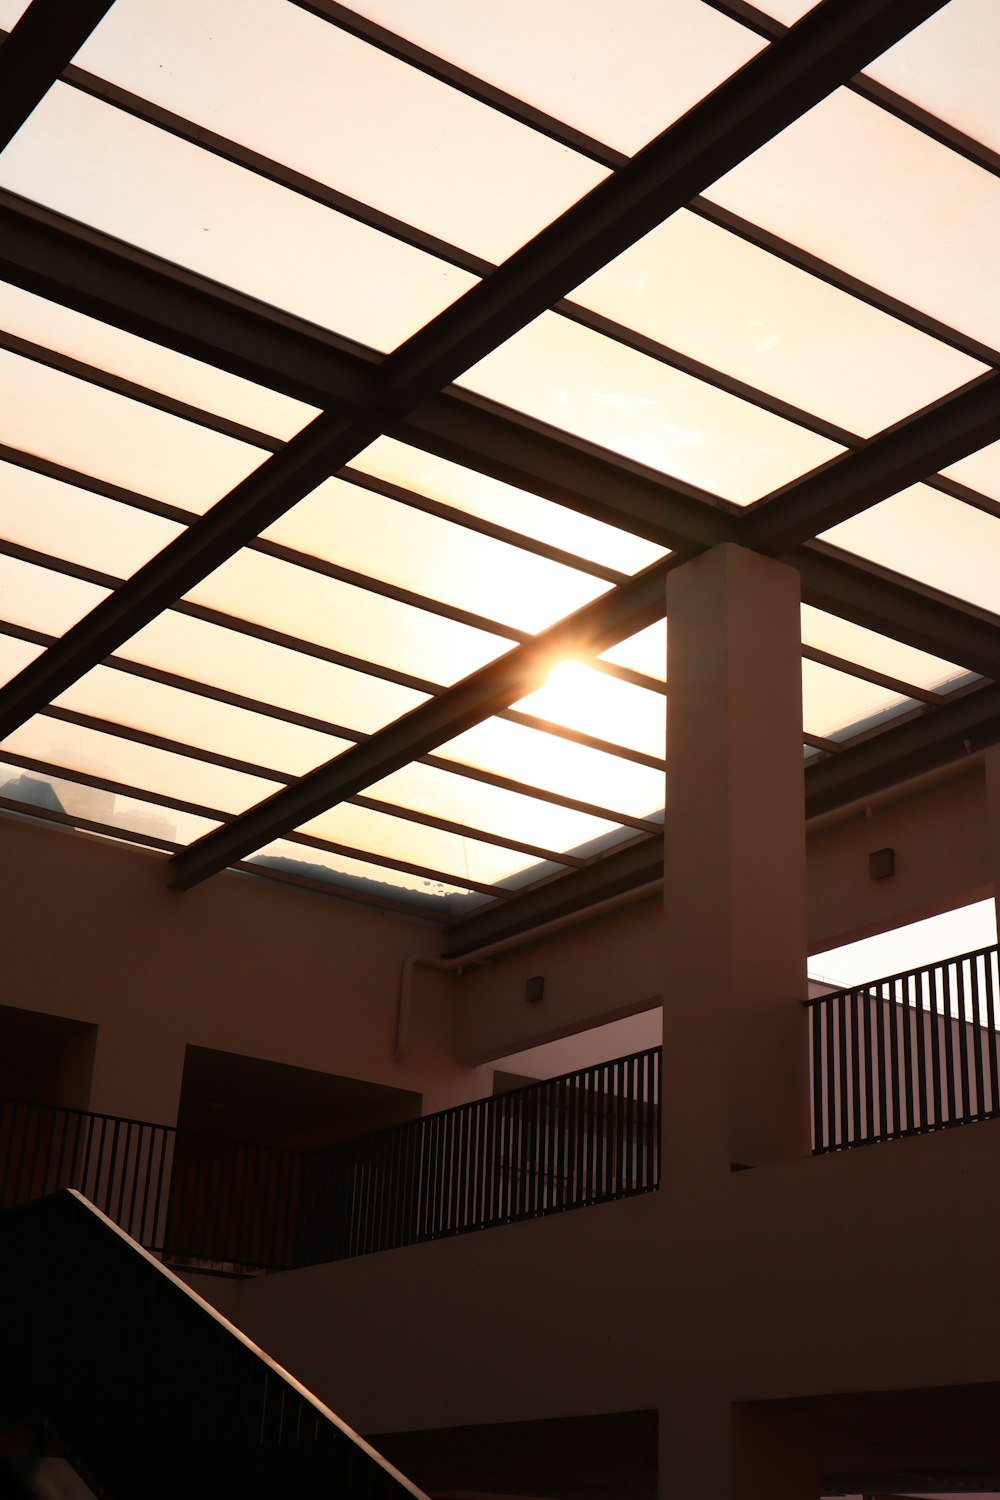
[113, 1366]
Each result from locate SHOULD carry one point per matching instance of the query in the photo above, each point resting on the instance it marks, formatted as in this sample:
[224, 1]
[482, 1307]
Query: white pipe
[483, 955]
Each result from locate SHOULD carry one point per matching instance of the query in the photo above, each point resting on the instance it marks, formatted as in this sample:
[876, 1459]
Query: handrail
[910, 1053]
[148, 1390]
[586, 1137]
[867, 984]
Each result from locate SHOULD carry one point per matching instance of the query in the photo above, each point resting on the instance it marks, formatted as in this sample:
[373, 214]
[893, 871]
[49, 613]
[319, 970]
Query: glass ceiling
[283, 193]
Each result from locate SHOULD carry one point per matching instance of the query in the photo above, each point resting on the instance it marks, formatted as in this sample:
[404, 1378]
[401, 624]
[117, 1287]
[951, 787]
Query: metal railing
[145, 1388]
[913, 1052]
[588, 1137]
[180, 1194]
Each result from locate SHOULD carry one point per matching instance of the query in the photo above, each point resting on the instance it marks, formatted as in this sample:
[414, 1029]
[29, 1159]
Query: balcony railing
[914, 1052]
[588, 1137]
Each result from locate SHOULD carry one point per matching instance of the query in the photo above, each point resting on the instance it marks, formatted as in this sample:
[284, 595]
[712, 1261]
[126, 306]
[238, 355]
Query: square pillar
[736, 1085]
[712, 1450]
[992, 760]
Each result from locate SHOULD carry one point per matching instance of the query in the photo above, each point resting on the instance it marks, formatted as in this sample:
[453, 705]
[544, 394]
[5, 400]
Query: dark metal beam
[41, 45]
[923, 743]
[594, 628]
[933, 438]
[622, 870]
[829, 45]
[882, 601]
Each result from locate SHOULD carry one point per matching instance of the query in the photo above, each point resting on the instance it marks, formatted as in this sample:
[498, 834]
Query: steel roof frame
[382, 393]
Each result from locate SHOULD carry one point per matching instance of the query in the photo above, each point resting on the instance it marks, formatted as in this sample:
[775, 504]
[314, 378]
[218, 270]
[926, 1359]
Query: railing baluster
[949, 1040]
[881, 1060]
[965, 1031]
[932, 1021]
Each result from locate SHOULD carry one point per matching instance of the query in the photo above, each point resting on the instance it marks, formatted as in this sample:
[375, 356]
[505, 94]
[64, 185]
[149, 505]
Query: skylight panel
[710, 295]
[40, 790]
[41, 599]
[143, 768]
[496, 810]
[980, 471]
[203, 723]
[273, 675]
[351, 875]
[620, 73]
[536, 759]
[646, 651]
[929, 537]
[344, 618]
[77, 525]
[15, 655]
[117, 439]
[881, 653]
[580, 698]
[871, 194]
[494, 501]
[369, 533]
[591, 386]
[948, 66]
[118, 174]
[836, 705]
[304, 93]
[464, 859]
[148, 364]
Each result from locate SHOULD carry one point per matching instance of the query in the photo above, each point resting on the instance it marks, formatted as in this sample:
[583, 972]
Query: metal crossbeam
[940, 435]
[829, 45]
[41, 45]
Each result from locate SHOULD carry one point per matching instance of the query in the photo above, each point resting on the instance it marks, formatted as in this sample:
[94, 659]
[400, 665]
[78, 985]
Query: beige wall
[91, 932]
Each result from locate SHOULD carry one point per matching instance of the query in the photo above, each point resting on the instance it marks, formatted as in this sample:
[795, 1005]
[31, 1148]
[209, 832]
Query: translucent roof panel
[867, 648]
[709, 294]
[371, 534]
[464, 859]
[461, 799]
[218, 728]
[42, 790]
[143, 768]
[42, 599]
[980, 471]
[646, 651]
[151, 365]
[354, 875]
[437, 159]
[621, 75]
[577, 696]
[932, 538]
[596, 388]
[543, 760]
[852, 184]
[835, 704]
[948, 66]
[117, 439]
[490, 500]
[341, 617]
[272, 674]
[65, 521]
[15, 656]
[98, 164]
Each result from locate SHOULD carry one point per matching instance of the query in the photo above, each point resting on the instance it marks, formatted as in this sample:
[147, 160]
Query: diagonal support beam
[44, 42]
[619, 613]
[940, 435]
[831, 44]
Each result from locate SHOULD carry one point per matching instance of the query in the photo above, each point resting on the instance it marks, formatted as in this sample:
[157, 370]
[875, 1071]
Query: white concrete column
[992, 760]
[735, 1039]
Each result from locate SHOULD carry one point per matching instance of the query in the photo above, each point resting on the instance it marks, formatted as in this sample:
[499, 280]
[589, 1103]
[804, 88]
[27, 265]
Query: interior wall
[239, 964]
